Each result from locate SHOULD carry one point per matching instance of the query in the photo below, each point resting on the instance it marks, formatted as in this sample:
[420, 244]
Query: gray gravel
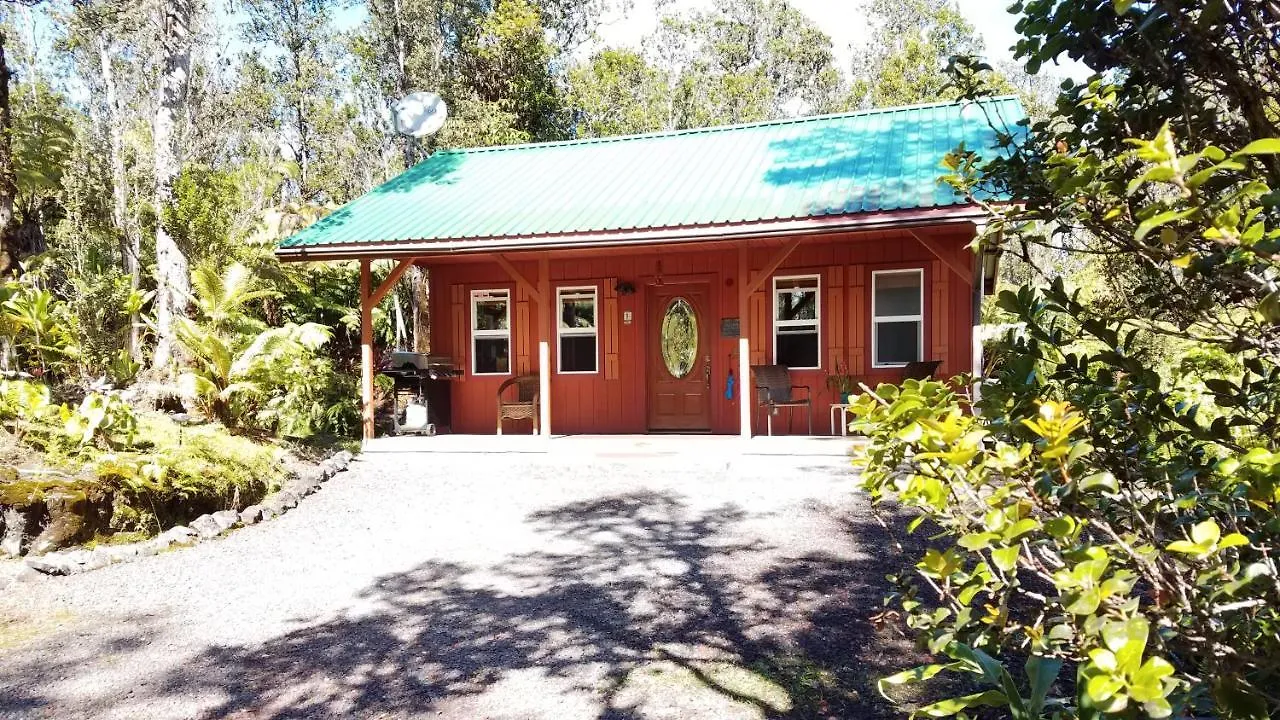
[471, 586]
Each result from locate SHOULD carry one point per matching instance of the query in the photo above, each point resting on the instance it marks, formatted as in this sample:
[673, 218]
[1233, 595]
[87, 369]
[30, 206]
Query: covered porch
[592, 331]
[632, 284]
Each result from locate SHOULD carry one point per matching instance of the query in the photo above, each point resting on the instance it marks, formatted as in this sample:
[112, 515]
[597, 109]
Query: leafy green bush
[102, 418]
[240, 372]
[1090, 513]
[1110, 506]
[34, 331]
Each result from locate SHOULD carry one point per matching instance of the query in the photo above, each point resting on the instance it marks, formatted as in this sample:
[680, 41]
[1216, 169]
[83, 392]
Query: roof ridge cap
[722, 128]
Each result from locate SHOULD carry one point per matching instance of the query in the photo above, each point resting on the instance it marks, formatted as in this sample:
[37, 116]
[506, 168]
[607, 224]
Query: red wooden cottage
[638, 277]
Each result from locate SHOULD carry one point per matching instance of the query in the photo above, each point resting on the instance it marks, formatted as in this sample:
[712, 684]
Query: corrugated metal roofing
[833, 165]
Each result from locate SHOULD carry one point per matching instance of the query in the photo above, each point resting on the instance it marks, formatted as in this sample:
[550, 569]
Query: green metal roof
[815, 167]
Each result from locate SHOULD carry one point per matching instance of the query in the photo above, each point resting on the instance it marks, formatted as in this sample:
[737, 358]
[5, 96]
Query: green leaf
[952, 706]
[1207, 533]
[1041, 671]
[1061, 526]
[1265, 146]
[1006, 558]
[1232, 540]
[1086, 602]
[1122, 6]
[1100, 479]
[977, 541]
[1164, 218]
[1185, 547]
[914, 675]
[1104, 659]
[1020, 528]
[1102, 687]
[1146, 684]
[1158, 708]
[911, 433]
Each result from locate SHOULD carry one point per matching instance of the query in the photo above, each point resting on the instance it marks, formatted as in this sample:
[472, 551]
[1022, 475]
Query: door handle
[706, 370]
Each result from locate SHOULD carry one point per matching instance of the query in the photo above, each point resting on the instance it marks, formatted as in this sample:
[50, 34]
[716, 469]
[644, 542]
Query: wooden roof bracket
[519, 279]
[965, 274]
[385, 286]
[774, 264]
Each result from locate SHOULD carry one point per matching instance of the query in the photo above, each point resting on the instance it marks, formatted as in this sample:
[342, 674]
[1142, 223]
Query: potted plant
[841, 384]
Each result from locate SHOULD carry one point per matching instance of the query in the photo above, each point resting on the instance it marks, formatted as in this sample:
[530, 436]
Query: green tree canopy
[617, 92]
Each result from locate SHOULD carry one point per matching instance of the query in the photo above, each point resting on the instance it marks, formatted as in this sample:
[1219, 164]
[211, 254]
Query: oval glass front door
[679, 338]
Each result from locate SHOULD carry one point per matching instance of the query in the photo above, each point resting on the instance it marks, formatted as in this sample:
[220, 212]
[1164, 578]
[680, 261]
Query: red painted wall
[614, 399]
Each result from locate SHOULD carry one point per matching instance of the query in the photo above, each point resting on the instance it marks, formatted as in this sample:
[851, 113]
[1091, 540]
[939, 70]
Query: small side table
[838, 411]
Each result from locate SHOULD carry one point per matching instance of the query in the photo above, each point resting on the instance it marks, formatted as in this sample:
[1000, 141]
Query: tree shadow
[884, 160]
[636, 605]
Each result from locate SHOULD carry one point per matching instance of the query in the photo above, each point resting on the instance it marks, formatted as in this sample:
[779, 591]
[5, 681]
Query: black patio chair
[774, 390]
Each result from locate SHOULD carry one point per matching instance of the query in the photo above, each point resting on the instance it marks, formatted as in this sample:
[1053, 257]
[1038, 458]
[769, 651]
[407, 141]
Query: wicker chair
[525, 404]
[774, 390]
[921, 370]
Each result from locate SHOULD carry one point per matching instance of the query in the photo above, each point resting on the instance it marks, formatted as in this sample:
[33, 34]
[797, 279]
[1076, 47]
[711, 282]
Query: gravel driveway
[486, 586]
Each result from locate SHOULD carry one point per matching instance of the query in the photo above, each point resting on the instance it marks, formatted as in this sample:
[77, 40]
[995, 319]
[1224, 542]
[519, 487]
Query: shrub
[242, 373]
[1094, 513]
[1091, 512]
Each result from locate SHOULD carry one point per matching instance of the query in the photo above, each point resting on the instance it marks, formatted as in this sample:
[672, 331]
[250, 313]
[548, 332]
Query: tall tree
[173, 287]
[303, 77]
[617, 92]
[106, 36]
[905, 59]
[745, 60]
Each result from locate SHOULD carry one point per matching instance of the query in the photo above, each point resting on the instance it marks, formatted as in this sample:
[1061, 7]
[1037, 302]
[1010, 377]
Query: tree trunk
[416, 278]
[130, 245]
[9, 251]
[173, 287]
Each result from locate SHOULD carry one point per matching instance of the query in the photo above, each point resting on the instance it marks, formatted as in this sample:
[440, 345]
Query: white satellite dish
[420, 114]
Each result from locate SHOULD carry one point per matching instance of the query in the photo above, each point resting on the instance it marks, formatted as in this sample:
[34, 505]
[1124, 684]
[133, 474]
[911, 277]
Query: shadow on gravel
[658, 611]
[63, 656]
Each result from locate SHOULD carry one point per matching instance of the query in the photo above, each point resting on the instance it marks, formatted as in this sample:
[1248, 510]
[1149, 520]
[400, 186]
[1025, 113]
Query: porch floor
[621, 446]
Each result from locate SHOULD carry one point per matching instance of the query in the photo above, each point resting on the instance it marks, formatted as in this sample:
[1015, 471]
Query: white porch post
[545, 313]
[366, 351]
[744, 346]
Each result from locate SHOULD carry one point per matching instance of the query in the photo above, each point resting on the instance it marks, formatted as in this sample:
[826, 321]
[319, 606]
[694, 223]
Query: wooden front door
[679, 362]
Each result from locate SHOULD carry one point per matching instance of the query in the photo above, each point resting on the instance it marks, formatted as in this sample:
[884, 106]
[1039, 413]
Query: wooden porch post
[744, 346]
[545, 313]
[366, 350]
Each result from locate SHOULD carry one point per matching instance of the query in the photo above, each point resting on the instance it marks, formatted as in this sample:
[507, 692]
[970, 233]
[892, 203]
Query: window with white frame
[897, 317]
[490, 332]
[797, 322]
[576, 328]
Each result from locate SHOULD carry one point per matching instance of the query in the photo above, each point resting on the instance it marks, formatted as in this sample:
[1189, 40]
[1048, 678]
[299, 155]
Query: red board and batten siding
[613, 400]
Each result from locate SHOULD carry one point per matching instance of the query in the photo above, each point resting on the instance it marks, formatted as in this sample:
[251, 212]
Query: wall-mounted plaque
[730, 328]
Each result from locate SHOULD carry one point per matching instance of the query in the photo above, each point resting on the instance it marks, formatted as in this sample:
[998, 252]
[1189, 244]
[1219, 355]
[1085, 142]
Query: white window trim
[577, 292]
[918, 319]
[476, 296]
[817, 315]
